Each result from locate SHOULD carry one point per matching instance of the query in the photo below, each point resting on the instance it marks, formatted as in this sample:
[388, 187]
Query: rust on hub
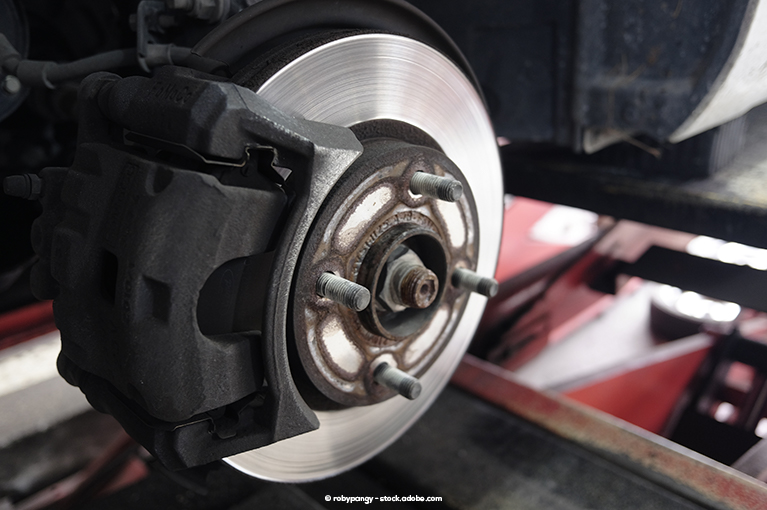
[372, 230]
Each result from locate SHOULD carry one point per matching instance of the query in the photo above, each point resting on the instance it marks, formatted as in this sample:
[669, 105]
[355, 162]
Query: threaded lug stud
[343, 291]
[471, 281]
[435, 186]
[397, 380]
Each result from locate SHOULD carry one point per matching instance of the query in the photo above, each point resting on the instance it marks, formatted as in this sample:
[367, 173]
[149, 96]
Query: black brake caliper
[157, 246]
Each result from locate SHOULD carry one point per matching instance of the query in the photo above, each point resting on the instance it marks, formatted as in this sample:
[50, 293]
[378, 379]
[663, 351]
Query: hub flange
[402, 247]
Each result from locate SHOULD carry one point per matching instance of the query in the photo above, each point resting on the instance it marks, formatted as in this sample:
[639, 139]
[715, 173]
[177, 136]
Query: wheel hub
[401, 247]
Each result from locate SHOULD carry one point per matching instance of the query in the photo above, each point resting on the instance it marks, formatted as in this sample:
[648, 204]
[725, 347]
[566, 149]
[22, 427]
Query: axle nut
[417, 287]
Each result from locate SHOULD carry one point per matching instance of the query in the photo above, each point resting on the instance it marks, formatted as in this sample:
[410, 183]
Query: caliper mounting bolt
[471, 281]
[343, 291]
[435, 186]
[397, 380]
[29, 186]
[11, 84]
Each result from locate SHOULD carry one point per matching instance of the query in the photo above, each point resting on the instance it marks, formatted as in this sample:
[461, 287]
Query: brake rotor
[349, 82]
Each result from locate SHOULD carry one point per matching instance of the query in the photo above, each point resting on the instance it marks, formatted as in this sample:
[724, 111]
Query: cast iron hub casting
[374, 231]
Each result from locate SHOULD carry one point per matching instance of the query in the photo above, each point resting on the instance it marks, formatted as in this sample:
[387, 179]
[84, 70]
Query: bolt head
[11, 85]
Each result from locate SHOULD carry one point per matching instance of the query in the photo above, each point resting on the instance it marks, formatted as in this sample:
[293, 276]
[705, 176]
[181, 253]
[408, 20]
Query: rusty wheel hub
[402, 247]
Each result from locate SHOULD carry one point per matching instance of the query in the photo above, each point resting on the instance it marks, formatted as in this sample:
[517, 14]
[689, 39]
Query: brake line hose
[37, 73]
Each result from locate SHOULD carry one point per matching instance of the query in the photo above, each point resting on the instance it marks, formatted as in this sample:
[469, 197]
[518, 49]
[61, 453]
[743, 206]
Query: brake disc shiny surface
[382, 76]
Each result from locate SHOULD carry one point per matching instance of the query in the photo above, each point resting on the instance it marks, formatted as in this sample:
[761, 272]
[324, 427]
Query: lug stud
[471, 281]
[435, 186]
[343, 291]
[397, 380]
